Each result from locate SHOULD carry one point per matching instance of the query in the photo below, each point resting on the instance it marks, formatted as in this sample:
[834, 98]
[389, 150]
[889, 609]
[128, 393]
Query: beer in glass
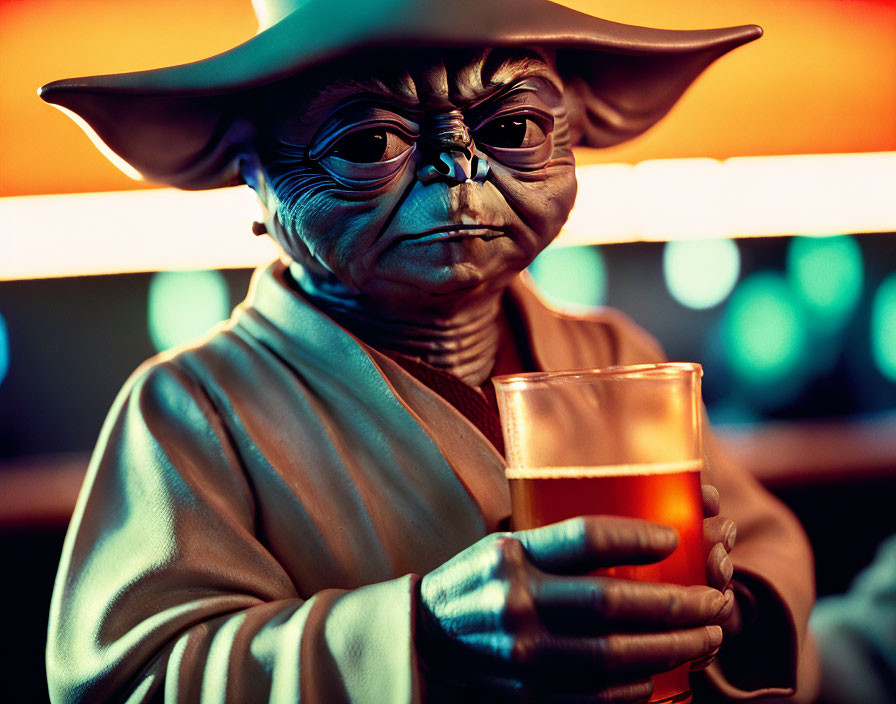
[622, 441]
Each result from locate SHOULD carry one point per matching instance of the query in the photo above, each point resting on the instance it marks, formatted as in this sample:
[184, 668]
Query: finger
[548, 689]
[728, 611]
[592, 605]
[501, 689]
[719, 568]
[620, 694]
[719, 530]
[620, 656]
[636, 692]
[584, 544]
[730, 619]
[710, 500]
[703, 663]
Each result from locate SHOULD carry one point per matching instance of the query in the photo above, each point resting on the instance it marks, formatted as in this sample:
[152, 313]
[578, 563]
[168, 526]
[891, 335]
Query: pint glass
[624, 441]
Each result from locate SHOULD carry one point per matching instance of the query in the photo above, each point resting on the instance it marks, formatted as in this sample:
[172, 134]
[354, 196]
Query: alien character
[310, 503]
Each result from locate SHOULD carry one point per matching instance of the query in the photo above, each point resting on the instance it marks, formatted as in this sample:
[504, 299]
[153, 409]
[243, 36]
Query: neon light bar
[129, 231]
[167, 229]
[674, 199]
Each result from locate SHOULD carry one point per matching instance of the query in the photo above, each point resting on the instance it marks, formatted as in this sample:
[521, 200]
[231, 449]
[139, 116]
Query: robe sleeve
[775, 584]
[166, 592]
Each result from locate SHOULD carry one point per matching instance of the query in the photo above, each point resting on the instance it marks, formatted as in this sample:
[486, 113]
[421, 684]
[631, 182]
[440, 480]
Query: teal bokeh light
[826, 273]
[883, 328]
[574, 276]
[765, 336]
[4, 349]
[701, 273]
[184, 304]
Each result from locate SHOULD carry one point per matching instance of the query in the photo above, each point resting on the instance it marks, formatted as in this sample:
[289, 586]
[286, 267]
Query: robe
[261, 504]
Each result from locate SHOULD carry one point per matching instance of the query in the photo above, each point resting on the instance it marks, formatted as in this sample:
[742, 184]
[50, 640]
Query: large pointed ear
[192, 144]
[612, 98]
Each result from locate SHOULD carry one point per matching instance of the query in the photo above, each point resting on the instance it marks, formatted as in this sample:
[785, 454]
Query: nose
[455, 165]
[451, 155]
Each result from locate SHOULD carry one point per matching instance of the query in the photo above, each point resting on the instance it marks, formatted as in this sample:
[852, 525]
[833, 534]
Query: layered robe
[260, 506]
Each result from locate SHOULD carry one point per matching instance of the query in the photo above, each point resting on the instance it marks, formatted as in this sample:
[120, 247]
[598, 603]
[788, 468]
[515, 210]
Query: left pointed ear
[220, 165]
[612, 98]
[165, 139]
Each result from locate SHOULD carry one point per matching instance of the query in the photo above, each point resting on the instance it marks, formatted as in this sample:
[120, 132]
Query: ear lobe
[612, 98]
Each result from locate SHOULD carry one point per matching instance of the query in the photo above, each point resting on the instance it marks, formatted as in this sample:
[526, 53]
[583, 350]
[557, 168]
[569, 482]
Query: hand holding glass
[623, 441]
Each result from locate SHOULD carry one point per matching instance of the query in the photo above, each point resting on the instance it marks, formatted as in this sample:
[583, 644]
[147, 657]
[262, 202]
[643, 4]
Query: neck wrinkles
[463, 343]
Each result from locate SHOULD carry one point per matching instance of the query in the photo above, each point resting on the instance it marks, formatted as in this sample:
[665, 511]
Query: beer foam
[605, 471]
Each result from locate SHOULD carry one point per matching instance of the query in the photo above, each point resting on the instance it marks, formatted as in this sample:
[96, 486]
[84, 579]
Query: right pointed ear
[614, 97]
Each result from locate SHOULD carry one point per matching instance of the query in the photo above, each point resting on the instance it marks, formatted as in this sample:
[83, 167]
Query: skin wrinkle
[406, 192]
[435, 299]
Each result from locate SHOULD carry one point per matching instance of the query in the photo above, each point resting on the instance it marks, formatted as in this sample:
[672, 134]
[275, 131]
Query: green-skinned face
[417, 179]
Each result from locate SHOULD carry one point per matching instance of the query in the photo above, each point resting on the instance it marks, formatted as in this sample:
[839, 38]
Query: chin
[453, 288]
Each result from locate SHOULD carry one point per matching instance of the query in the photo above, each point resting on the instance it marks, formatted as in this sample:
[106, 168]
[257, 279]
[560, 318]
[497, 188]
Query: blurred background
[750, 231]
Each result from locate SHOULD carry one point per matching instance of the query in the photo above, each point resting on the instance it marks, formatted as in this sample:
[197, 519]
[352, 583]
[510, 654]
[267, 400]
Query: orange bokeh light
[41, 150]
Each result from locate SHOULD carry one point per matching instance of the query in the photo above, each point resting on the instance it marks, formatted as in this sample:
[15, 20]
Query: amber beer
[667, 493]
[624, 441]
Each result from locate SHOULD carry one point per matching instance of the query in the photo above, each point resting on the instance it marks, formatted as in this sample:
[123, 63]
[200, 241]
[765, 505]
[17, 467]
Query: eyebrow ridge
[415, 112]
[373, 90]
[520, 85]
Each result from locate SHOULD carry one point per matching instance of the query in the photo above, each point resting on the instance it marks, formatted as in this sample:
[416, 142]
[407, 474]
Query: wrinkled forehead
[424, 79]
[434, 79]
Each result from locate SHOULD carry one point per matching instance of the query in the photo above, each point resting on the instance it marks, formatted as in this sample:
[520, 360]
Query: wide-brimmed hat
[178, 126]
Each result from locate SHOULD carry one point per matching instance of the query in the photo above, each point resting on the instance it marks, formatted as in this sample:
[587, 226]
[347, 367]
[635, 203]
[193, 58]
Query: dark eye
[370, 145]
[511, 133]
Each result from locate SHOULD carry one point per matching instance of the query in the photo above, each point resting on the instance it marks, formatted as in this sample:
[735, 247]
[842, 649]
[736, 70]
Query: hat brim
[173, 125]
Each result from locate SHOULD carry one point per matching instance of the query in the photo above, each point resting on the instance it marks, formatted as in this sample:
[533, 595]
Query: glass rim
[616, 371]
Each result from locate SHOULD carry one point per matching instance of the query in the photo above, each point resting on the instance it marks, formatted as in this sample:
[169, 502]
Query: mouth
[452, 232]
